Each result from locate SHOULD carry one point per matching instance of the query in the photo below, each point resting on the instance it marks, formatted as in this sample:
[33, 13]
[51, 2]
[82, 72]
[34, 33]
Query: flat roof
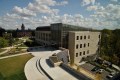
[43, 28]
[83, 31]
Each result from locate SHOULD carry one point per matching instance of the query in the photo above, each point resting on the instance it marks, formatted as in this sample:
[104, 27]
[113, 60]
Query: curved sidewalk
[32, 72]
[55, 73]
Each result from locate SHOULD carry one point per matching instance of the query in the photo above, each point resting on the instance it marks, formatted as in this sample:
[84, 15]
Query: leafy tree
[110, 45]
[3, 42]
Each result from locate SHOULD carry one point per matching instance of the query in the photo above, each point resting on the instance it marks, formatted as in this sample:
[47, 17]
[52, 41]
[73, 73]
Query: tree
[3, 42]
[1, 31]
[110, 45]
[9, 37]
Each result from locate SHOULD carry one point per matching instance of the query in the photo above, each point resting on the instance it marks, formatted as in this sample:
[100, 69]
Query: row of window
[82, 37]
[82, 53]
[82, 45]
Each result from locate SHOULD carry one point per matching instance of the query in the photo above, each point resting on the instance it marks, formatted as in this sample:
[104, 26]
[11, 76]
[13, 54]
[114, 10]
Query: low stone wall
[54, 64]
[75, 72]
[86, 72]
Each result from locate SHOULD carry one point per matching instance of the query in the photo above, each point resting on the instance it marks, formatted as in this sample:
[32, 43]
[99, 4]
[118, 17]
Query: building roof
[73, 26]
[43, 28]
[84, 31]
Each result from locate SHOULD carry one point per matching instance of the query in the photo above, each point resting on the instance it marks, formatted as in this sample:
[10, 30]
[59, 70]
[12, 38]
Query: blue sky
[7, 5]
[84, 13]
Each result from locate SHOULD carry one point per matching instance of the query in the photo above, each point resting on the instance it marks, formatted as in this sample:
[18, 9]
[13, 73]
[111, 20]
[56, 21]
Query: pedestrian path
[56, 73]
[13, 55]
[32, 72]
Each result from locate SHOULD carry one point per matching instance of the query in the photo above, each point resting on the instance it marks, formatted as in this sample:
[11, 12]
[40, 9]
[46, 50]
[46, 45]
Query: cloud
[29, 14]
[90, 8]
[109, 15]
[23, 12]
[101, 17]
[87, 2]
[63, 3]
[37, 7]
[114, 0]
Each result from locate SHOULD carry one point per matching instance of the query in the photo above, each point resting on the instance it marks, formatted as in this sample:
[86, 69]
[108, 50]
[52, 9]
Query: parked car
[95, 69]
[110, 75]
[100, 70]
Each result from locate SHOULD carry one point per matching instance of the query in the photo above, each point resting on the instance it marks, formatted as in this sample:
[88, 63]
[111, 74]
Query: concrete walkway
[56, 73]
[4, 52]
[32, 72]
[32, 67]
[37, 68]
[13, 55]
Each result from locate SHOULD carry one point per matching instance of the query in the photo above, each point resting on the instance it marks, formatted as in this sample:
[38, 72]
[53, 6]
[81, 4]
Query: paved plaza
[39, 67]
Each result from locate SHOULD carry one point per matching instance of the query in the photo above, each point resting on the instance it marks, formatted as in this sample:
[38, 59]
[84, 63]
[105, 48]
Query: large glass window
[88, 44]
[87, 51]
[77, 46]
[80, 53]
[84, 37]
[76, 54]
[84, 45]
[83, 52]
[77, 38]
[88, 36]
[81, 37]
[80, 45]
[99, 36]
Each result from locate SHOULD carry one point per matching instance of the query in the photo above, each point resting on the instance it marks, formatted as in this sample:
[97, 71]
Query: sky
[96, 14]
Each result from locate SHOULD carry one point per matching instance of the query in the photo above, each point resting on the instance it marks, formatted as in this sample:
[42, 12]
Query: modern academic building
[81, 42]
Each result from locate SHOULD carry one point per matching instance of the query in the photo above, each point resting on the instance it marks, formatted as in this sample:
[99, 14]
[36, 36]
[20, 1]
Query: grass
[13, 51]
[17, 42]
[13, 68]
[1, 50]
[22, 45]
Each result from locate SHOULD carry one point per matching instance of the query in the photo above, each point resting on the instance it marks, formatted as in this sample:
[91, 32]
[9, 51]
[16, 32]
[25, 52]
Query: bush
[3, 42]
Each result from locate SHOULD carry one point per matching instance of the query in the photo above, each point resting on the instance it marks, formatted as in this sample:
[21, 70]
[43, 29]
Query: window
[77, 38]
[88, 36]
[80, 45]
[84, 37]
[87, 51]
[83, 52]
[76, 54]
[81, 37]
[84, 45]
[88, 44]
[77, 46]
[99, 36]
[80, 53]
[99, 43]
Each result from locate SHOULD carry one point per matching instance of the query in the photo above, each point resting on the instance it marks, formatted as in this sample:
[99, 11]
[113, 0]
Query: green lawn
[13, 51]
[1, 50]
[23, 45]
[13, 68]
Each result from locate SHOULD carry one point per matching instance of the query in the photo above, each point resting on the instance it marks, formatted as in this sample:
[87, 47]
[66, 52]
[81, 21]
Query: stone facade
[83, 44]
